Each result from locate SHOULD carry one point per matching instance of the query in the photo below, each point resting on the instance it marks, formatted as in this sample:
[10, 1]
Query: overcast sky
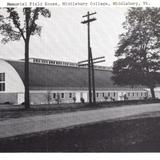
[65, 38]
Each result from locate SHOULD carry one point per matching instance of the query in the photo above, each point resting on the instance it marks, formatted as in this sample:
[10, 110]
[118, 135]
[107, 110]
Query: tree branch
[34, 18]
[22, 33]
[17, 25]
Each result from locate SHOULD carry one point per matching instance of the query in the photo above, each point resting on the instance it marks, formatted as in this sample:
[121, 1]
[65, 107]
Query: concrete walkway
[19, 126]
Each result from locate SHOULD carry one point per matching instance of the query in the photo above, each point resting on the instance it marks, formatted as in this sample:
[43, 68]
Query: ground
[134, 134]
[18, 111]
[130, 128]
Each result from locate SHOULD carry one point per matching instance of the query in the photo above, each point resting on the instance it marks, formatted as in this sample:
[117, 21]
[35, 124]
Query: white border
[121, 3]
[81, 156]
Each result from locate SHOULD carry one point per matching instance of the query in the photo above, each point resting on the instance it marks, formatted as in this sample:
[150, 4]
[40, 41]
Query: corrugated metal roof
[44, 76]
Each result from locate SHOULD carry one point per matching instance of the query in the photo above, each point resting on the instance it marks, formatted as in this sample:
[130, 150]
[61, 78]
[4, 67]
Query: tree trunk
[152, 93]
[26, 80]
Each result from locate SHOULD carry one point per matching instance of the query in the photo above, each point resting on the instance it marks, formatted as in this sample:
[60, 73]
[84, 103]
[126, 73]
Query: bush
[23, 103]
[7, 102]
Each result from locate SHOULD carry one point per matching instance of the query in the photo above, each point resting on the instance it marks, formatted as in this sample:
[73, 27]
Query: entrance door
[20, 98]
[78, 97]
[85, 96]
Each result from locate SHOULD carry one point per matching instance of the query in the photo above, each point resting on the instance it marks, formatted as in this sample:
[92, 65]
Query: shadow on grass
[135, 135]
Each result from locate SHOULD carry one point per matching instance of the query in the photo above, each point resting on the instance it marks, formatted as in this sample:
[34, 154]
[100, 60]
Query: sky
[64, 38]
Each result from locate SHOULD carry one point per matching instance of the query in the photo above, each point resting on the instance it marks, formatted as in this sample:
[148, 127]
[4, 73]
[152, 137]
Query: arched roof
[44, 76]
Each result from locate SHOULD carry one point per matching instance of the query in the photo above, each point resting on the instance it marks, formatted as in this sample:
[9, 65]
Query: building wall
[136, 95]
[106, 96]
[156, 90]
[9, 97]
[14, 91]
[120, 95]
[20, 98]
[53, 97]
[13, 82]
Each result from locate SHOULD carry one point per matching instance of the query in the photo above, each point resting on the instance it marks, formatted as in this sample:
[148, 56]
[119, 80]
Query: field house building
[50, 79]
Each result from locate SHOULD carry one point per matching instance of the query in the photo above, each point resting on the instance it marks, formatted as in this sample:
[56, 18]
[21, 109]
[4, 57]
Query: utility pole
[90, 63]
[93, 61]
[93, 77]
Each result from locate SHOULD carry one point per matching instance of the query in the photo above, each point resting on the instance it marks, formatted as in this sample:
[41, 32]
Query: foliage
[13, 27]
[138, 50]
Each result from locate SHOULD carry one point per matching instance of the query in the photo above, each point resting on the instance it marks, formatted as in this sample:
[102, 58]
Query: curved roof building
[47, 75]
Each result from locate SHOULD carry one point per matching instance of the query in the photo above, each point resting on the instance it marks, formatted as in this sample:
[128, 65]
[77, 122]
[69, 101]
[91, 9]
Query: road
[20, 126]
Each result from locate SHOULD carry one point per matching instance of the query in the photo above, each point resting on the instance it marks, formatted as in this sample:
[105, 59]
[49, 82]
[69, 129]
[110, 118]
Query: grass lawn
[10, 111]
[125, 135]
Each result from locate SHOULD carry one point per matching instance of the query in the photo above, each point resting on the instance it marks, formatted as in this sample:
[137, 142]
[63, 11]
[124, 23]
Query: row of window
[106, 94]
[71, 95]
[55, 62]
[113, 94]
[52, 62]
[109, 94]
[137, 94]
[61, 95]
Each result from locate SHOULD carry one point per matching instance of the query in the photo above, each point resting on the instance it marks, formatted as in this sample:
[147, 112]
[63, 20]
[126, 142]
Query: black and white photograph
[79, 77]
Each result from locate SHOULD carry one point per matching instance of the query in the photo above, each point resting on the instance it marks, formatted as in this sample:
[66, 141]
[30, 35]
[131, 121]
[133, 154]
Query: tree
[49, 97]
[14, 27]
[138, 50]
[74, 99]
[58, 99]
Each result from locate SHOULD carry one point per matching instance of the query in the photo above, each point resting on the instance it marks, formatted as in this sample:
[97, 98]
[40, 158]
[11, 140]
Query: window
[137, 94]
[2, 86]
[146, 94]
[2, 81]
[141, 94]
[70, 95]
[114, 94]
[109, 94]
[2, 77]
[97, 94]
[103, 94]
[62, 95]
[51, 62]
[133, 94]
[54, 95]
[128, 94]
